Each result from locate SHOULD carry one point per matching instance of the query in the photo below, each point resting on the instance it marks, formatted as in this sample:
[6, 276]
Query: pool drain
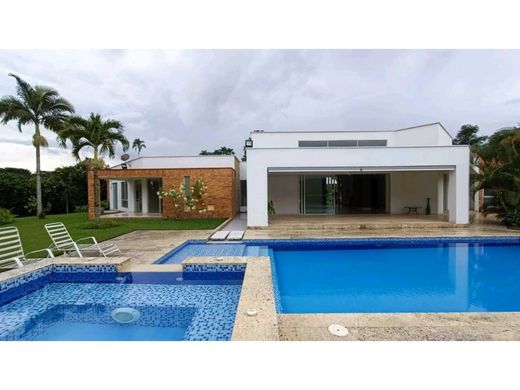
[338, 330]
[125, 315]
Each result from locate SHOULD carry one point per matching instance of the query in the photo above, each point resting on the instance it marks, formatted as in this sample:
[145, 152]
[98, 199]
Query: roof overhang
[361, 169]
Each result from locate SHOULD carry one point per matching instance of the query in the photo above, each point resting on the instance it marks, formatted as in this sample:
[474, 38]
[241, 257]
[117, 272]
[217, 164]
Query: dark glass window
[343, 143]
[372, 142]
[243, 192]
[312, 144]
[186, 185]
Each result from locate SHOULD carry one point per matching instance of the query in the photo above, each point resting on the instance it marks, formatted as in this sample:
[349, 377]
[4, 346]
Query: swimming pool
[78, 303]
[397, 276]
[383, 275]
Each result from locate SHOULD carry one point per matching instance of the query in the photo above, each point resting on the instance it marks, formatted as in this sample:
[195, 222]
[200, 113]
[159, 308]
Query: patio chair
[62, 241]
[11, 250]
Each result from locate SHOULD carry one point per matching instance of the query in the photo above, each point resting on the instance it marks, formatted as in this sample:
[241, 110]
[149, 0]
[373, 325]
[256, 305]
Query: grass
[35, 237]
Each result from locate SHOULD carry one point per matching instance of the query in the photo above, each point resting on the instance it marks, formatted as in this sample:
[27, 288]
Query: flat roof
[348, 131]
[178, 157]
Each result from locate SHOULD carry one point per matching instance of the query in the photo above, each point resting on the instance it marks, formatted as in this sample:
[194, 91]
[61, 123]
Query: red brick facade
[222, 187]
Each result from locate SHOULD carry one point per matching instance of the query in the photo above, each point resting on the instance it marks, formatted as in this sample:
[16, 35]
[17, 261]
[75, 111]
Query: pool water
[171, 306]
[397, 277]
[194, 248]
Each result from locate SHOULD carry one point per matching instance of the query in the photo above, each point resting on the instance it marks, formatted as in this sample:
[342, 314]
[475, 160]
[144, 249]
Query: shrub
[81, 209]
[105, 204]
[6, 216]
[186, 199]
[270, 208]
[98, 225]
[511, 217]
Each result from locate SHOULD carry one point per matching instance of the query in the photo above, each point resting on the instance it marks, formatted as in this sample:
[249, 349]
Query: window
[124, 194]
[341, 143]
[243, 193]
[312, 144]
[186, 185]
[372, 142]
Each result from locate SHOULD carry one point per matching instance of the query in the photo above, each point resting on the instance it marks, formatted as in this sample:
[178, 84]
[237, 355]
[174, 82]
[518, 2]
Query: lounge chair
[11, 250]
[62, 241]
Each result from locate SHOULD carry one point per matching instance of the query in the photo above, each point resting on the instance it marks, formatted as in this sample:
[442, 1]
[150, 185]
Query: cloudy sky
[180, 102]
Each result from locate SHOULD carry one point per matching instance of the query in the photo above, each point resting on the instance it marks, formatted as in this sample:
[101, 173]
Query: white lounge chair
[62, 241]
[11, 250]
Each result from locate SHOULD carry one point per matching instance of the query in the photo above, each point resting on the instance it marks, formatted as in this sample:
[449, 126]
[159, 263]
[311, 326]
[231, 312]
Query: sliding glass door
[317, 194]
[343, 194]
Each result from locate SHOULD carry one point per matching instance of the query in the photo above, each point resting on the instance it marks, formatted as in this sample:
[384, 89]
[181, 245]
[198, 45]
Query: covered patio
[129, 193]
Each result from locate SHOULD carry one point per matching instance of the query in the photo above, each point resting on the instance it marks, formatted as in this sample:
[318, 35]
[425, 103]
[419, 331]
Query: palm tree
[138, 145]
[99, 135]
[39, 106]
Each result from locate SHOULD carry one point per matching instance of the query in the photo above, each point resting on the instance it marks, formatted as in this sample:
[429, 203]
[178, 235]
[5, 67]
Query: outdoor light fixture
[249, 143]
[124, 166]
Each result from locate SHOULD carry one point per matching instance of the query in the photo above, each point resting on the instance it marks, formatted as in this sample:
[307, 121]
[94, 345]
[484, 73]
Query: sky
[180, 102]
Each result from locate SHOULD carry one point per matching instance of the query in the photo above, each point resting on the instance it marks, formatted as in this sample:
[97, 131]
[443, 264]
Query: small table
[414, 209]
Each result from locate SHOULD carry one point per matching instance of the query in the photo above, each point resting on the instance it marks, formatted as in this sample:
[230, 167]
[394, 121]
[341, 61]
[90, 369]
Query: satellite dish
[125, 157]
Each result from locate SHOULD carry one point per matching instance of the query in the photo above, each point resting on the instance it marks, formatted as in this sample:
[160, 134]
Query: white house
[357, 172]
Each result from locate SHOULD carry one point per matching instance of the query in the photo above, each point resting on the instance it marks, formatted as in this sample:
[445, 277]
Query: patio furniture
[11, 250]
[413, 209]
[62, 241]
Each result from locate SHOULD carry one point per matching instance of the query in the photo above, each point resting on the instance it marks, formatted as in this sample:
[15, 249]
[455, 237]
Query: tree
[138, 145]
[101, 136]
[467, 135]
[222, 151]
[17, 187]
[39, 106]
[66, 187]
[499, 172]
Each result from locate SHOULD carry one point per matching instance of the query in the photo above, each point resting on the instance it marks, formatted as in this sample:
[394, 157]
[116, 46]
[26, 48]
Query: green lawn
[35, 237]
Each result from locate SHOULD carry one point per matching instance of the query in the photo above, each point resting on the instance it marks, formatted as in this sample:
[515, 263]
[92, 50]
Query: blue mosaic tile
[214, 267]
[212, 307]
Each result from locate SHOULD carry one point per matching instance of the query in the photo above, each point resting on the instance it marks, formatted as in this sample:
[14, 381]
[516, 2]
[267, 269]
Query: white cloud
[182, 102]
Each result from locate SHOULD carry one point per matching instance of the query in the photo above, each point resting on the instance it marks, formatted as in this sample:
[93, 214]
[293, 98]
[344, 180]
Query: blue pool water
[397, 276]
[172, 306]
[194, 248]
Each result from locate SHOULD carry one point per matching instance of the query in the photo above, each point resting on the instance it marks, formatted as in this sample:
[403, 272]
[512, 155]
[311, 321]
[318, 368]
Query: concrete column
[257, 195]
[144, 196]
[440, 193]
[458, 194]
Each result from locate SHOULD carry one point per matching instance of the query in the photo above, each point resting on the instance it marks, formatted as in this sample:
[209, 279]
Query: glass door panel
[319, 194]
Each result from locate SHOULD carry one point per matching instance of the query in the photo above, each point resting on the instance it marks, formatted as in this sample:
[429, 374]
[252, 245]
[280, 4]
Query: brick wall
[221, 186]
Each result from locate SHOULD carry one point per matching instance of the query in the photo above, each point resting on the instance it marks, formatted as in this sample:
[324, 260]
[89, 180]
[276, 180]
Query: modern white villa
[413, 171]
[357, 172]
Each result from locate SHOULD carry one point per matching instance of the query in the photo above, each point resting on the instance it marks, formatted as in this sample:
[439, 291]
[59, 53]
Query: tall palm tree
[138, 145]
[99, 135]
[39, 106]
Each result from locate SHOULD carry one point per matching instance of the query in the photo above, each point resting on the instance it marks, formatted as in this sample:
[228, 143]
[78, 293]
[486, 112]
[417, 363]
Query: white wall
[412, 189]
[181, 162]
[284, 191]
[427, 135]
